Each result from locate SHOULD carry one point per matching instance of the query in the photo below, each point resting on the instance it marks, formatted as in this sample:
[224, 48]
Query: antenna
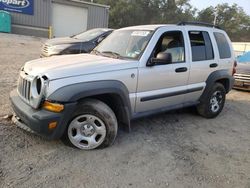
[215, 15]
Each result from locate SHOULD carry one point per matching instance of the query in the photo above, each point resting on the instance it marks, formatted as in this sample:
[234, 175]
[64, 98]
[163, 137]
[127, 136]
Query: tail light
[234, 68]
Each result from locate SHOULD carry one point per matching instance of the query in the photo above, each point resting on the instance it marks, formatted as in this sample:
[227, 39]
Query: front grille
[242, 78]
[23, 88]
[243, 71]
[45, 50]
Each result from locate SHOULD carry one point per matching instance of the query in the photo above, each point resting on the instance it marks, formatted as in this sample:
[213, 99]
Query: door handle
[213, 65]
[182, 69]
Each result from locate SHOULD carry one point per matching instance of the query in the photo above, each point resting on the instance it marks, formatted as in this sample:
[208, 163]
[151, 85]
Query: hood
[57, 67]
[63, 40]
[243, 68]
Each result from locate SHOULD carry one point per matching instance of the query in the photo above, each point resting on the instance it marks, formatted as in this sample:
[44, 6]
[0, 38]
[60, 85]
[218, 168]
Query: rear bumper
[37, 120]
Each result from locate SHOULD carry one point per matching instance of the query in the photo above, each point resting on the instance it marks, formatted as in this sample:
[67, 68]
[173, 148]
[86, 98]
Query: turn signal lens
[52, 125]
[53, 107]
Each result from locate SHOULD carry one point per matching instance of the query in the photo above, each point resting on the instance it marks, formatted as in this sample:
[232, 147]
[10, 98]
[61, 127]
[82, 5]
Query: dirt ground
[175, 149]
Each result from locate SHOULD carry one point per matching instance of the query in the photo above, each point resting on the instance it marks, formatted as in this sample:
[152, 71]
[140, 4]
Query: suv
[134, 72]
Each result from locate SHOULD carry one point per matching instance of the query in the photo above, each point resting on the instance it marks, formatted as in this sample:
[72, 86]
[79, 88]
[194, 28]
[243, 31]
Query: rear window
[201, 46]
[223, 46]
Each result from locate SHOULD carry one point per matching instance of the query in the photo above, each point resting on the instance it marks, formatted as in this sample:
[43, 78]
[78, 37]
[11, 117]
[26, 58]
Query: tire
[212, 105]
[93, 125]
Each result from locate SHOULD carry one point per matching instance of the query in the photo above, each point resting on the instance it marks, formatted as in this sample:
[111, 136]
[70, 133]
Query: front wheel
[94, 125]
[212, 105]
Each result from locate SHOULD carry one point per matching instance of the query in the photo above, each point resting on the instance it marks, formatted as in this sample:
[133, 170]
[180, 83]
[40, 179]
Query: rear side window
[223, 46]
[201, 45]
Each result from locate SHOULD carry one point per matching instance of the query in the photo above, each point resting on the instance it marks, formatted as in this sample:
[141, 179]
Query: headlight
[58, 48]
[36, 91]
[36, 87]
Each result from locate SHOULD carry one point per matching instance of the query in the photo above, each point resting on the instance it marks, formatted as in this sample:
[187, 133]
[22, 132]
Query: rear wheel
[213, 104]
[93, 125]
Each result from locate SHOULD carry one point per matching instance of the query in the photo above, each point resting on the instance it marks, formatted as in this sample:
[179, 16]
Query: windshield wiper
[113, 54]
[96, 52]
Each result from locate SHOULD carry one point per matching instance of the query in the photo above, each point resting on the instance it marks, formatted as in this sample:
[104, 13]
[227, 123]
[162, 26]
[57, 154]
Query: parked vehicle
[81, 43]
[242, 75]
[134, 72]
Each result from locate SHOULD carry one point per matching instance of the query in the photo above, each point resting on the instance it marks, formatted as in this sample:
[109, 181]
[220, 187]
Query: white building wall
[241, 47]
[68, 20]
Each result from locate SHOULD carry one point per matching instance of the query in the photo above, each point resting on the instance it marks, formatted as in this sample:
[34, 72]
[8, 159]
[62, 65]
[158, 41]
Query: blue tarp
[244, 58]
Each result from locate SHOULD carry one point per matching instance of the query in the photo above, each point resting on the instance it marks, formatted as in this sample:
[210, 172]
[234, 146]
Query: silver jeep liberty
[136, 71]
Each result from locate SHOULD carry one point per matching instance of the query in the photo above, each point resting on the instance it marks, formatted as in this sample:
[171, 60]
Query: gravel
[174, 149]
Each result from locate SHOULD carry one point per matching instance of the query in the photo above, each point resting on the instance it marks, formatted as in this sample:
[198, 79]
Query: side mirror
[162, 58]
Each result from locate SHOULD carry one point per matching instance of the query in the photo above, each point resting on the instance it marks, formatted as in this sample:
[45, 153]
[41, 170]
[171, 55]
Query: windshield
[124, 44]
[90, 34]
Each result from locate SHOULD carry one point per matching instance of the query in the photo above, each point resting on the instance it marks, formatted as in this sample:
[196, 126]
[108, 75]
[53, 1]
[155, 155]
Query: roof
[144, 27]
[156, 26]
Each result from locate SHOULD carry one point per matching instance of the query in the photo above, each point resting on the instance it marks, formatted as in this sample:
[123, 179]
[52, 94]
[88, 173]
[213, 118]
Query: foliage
[137, 12]
[231, 18]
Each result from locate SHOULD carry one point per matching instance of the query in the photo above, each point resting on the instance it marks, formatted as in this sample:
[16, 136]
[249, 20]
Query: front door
[164, 85]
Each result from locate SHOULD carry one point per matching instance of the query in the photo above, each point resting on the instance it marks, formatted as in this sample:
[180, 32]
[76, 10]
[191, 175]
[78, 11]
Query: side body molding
[78, 91]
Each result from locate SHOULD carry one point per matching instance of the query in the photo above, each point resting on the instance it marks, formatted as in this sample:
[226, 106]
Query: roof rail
[199, 24]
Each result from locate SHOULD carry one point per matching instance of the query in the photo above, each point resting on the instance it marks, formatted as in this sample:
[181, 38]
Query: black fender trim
[215, 77]
[78, 91]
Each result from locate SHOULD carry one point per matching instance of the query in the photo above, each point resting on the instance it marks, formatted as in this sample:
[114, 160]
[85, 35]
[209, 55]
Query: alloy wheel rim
[87, 132]
[216, 101]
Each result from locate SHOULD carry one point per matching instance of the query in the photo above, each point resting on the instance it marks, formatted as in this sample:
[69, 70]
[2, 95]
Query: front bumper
[37, 120]
[49, 53]
[42, 55]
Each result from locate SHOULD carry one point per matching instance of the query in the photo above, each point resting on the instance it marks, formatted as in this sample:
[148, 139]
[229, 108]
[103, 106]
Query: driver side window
[172, 42]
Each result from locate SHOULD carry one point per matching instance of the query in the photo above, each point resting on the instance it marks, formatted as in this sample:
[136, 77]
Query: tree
[137, 12]
[175, 11]
[231, 18]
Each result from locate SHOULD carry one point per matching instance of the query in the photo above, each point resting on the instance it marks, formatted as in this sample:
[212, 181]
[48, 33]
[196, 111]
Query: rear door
[162, 86]
[203, 61]
[226, 53]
